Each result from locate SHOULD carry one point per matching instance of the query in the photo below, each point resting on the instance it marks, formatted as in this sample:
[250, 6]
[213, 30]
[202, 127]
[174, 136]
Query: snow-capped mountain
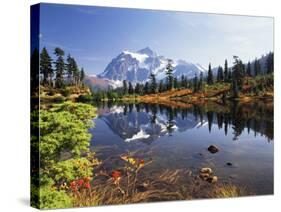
[137, 67]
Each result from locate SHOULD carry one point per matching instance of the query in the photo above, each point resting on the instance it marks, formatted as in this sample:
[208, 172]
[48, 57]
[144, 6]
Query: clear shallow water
[178, 138]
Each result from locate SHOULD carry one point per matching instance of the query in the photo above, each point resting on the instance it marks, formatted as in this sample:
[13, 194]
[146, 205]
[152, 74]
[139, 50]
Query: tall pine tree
[195, 83]
[161, 86]
[125, 87]
[169, 73]
[238, 72]
[220, 74]
[257, 67]
[200, 84]
[226, 78]
[60, 67]
[131, 88]
[46, 67]
[82, 75]
[249, 70]
[146, 89]
[270, 63]
[153, 84]
[210, 78]
[69, 69]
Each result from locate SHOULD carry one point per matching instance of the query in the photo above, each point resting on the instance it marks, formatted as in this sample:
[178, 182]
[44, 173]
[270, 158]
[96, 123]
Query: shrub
[50, 197]
[63, 128]
[58, 99]
[66, 92]
[85, 98]
[51, 92]
[72, 169]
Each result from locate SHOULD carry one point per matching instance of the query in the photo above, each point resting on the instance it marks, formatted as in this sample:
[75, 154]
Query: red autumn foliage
[87, 185]
[80, 184]
[116, 174]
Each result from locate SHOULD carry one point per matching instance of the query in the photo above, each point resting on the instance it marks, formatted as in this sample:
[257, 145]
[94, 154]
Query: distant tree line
[59, 73]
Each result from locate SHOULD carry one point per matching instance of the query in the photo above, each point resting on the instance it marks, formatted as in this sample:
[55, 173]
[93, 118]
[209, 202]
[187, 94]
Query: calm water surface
[178, 137]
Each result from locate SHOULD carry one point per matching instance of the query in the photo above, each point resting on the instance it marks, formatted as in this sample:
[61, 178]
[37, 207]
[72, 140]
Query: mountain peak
[148, 51]
[136, 67]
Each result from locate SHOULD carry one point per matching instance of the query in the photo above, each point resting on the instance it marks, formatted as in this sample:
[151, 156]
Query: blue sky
[95, 35]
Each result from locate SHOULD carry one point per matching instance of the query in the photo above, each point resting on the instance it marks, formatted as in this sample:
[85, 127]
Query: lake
[177, 136]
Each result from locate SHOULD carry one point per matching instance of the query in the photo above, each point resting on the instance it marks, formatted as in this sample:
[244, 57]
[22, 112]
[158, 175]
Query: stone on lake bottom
[206, 170]
[213, 179]
[213, 149]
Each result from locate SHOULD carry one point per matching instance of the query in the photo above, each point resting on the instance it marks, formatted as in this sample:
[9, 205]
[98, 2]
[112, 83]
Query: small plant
[66, 92]
[226, 191]
[85, 98]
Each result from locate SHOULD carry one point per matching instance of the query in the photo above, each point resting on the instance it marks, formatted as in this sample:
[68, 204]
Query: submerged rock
[206, 170]
[213, 149]
[212, 179]
[205, 173]
[204, 176]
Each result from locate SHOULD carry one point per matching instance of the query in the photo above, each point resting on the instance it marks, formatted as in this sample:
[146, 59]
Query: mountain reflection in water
[178, 138]
[146, 123]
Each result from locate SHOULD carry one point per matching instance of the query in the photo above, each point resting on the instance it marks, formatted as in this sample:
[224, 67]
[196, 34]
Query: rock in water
[205, 173]
[213, 149]
[206, 170]
[213, 179]
[204, 176]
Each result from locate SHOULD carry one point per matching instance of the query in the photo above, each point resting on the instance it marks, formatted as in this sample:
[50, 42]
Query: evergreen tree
[73, 73]
[238, 73]
[176, 85]
[125, 87]
[76, 72]
[161, 86]
[235, 92]
[169, 74]
[69, 68]
[229, 77]
[46, 67]
[257, 67]
[270, 63]
[249, 69]
[146, 88]
[220, 74]
[82, 75]
[210, 79]
[187, 83]
[138, 89]
[60, 67]
[195, 83]
[225, 71]
[131, 88]
[200, 84]
[153, 85]
[182, 83]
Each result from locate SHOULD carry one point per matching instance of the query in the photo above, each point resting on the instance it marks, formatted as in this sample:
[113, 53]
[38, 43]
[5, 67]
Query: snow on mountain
[137, 66]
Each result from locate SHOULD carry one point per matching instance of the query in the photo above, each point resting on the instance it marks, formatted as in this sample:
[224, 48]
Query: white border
[14, 113]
